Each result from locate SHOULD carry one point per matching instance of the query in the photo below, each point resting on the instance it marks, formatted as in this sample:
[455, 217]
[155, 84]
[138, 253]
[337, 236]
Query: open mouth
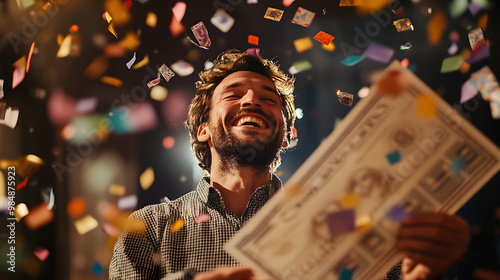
[251, 121]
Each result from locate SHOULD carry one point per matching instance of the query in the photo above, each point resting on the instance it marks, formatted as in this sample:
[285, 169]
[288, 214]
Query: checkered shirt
[159, 253]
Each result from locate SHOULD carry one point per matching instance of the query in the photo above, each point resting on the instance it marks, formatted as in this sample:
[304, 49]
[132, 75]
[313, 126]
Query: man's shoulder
[166, 209]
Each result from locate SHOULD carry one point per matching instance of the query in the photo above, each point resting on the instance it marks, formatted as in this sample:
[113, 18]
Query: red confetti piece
[41, 253]
[22, 184]
[29, 57]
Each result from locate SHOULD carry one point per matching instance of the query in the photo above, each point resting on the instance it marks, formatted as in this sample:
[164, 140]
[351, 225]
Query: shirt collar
[205, 191]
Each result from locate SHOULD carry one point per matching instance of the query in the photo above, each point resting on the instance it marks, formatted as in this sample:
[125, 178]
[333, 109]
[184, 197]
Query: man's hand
[227, 273]
[432, 243]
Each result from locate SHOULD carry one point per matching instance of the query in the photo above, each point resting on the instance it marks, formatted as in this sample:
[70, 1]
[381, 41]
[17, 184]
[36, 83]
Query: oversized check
[383, 157]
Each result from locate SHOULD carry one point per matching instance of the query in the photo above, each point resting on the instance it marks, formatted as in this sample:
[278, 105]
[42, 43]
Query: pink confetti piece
[179, 10]
[41, 253]
[154, 82]
[201, 34]
[255, 52]
[18, 76]
[202, 218]
[469, 91]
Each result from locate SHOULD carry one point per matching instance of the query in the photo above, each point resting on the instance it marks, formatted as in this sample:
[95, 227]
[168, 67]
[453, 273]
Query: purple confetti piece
[398, 213]
[474, 8]
[131, 62]
[378, 52]
[341, 222]
[255, 52]
[469, 91]
[453, 49]
[479, 54]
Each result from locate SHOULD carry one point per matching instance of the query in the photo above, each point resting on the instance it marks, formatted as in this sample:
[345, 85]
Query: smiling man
[240, 120]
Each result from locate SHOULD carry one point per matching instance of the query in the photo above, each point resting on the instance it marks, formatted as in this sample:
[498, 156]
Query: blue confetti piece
[97, 269]
[458, 165]
[352, 60]
[52, 199]
[346, 274]
[398, 214]
[394, 157]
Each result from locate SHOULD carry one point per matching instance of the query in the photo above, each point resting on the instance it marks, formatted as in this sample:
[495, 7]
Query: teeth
[243, 120]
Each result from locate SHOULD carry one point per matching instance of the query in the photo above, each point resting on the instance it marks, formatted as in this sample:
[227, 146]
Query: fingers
[453, 223]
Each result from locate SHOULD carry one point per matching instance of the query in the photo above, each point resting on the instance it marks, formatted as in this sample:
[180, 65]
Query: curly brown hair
[227, 63]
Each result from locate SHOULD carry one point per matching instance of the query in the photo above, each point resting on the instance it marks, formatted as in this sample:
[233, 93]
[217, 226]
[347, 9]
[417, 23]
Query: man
[240, 120]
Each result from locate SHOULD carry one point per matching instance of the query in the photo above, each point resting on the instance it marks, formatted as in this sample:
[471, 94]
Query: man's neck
[238, 184]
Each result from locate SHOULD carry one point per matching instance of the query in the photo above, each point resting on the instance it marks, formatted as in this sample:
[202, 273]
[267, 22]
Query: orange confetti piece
[426, 106]
[117, 11]
[97, 67]
[254, 40]
[111, 81]
[111, 28]
[22, 184]
[405, 63]
[464, 67]
[29, 57]
[177, 225]
[330, 47]
[39, 216]
[350, 201]
[74, 28]
[324, 38]
[176, 27]
[76, 207]
[482, 22]
[168, 142]
[392, 83]
[435, 28]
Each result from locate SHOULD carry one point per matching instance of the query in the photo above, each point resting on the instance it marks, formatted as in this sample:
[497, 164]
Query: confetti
[127, 202]
[71, 46]
[324, 38]
[222, 20]
[350, 201]
[299, 66]
[405, 63]
[168, 142]
[176, 28]
[486, 82]
[474, 8]
[453, 49]
[341, 222]
[111, 81]
[330, 47]
[151, 19]
[363, 92]
[451, 64]
[476, 38]
[273, 14]
[426, 106]
[21, 210]
[346, 273]
[345, 98]
[97, 67]
[468, 92]
[8, 115]
[147, 178]
[201, 34]
[479, 54]
[403, 24]
[398, 213]
[255, 52]
[97, 269]
[394, 157]
[130, 41]
[202, 218]
[38, 217]
[76, 207]
[166, 72]
[435, 28]
[349, 2]
[254, 40]
[18, 76]
[287, 3]
[52, 200]
[179, 10]
[378, 52]
[363, 224]
[41, 253]
[303, 17]
[86, 224]
[458, 165]
[117, 189]
[159, 93]
[29, 57]
[177, 225]
[406, 47]
[182, 68]
[303, 44]
[1, 88]
[142, 63]
[352, 60]
[117, 11]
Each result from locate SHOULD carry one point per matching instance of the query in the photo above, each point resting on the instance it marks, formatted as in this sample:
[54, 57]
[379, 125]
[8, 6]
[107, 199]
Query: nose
[250, 99]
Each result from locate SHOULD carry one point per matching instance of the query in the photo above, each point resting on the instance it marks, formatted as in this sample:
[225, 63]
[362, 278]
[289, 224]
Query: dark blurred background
[95, 152]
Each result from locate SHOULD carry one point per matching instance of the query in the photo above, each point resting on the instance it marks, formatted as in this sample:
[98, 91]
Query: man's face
[246, 124]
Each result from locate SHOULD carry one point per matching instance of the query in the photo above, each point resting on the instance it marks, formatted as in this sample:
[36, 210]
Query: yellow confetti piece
[86, 224]
[21, 210]
[97, 67]
[130, 42]
[111, 81]
[177, 225]
[151, 19]
[482, 22]
[70, 46]
[426, 106]
[21, 62]
[363, 223]
[350, 201]
[117, 11]
[159, 93]
[108, 17]
[435, 28]
[141, 63]
[403, 24]
[147, 178]
[330, 47]
[60, 39]
[111, 28]
[116, 189]
[303, 44]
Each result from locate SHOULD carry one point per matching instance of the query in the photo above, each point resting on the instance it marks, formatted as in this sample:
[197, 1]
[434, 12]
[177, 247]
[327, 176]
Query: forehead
[245, 77]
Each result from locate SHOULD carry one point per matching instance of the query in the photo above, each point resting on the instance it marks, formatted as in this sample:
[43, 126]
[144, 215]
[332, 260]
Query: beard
[254, 153]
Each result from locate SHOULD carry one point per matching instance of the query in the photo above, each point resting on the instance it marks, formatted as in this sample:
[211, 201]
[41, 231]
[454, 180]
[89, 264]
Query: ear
[203, 134]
